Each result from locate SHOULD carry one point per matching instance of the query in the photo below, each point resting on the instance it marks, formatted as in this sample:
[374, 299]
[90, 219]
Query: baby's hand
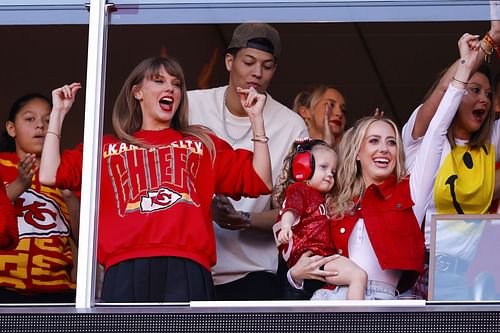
[285, 235]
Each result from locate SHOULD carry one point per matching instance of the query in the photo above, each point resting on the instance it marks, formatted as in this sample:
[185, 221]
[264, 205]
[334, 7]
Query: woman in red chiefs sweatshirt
[158, 177]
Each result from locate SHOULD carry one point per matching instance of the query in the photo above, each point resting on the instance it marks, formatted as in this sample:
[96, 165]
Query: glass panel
[21, 3]
[65, 61]
[38, 59]
[234, 11]
[463, 262]
[312, 53]
[14, 12]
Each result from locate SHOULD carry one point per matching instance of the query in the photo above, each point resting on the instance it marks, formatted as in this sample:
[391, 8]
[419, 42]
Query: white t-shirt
[251, 250]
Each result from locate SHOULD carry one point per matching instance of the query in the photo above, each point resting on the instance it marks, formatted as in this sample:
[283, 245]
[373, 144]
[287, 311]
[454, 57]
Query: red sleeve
[294, 200]
[9, 233]
[235, 175]
[69, 173]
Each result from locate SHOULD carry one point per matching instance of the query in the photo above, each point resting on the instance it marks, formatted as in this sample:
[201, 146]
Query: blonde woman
[378, 209]
[323, 109]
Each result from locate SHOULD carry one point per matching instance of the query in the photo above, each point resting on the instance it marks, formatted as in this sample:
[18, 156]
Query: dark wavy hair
[7, 143]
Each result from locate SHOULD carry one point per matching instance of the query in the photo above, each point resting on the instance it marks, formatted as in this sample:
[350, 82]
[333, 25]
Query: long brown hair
[482, 135]
[127, 113]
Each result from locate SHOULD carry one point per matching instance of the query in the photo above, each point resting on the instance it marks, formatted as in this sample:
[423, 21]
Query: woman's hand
[252, 101]
[469, 47]
[309, 267]
[327, 130]
[495, 20]
[378, 113]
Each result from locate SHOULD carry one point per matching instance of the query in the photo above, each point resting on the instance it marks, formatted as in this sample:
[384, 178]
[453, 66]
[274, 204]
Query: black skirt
[157, 279]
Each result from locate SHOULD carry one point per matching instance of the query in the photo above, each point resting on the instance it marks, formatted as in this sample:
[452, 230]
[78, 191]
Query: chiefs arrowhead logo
[40, 216]
[160, 199]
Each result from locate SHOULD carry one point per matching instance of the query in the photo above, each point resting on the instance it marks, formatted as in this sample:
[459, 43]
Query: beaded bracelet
[487, 48]
[491, 41]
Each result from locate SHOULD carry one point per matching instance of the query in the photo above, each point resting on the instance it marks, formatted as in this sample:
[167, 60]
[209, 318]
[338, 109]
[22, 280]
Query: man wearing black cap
[247, 257]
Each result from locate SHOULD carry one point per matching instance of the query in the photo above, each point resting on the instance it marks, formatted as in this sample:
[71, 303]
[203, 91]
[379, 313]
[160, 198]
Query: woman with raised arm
[465, 182]
[158, 177]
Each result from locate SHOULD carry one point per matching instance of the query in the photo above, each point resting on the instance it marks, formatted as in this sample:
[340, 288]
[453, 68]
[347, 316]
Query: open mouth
[478, 114]
[381, 162]
[167, 101]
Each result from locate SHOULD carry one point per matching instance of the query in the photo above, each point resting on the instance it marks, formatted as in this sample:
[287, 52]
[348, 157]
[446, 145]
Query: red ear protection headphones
[302, 165]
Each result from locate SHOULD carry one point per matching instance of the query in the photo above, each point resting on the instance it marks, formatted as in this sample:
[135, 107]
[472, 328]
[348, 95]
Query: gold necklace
[229, 136]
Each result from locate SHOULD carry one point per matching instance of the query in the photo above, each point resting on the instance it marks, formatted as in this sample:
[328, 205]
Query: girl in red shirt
[39, 269]
[308, 176]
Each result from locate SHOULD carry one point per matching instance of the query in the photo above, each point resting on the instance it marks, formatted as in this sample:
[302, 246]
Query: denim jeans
[375, 290]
